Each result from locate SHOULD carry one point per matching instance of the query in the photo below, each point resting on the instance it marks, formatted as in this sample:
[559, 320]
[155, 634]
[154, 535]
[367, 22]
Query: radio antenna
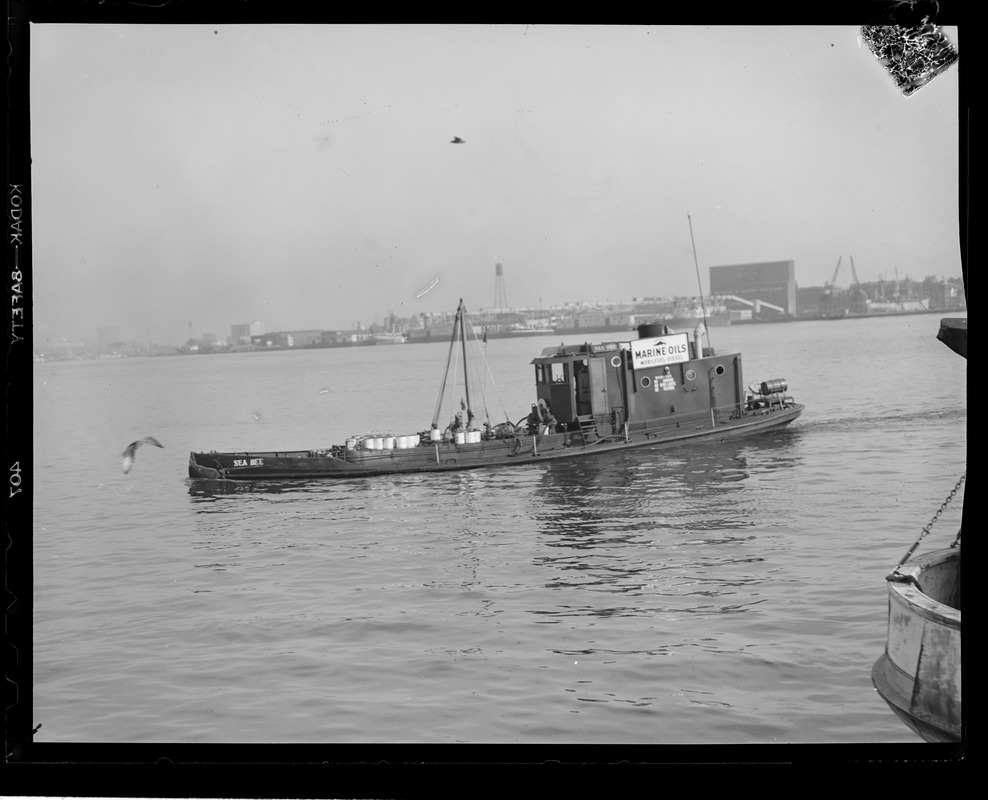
[699, 285]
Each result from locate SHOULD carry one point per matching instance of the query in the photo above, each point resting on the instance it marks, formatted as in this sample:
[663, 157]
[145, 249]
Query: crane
[828, 301]
[858, 296]
[854, 272]
[833, 279]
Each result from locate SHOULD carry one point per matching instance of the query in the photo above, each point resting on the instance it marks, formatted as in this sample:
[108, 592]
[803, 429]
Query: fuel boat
[660, 388]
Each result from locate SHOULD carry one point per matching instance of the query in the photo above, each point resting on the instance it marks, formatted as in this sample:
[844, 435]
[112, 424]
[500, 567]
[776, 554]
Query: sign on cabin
[673, 348]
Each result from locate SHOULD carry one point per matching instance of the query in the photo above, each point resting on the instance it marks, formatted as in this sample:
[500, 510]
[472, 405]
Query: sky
[187, 178]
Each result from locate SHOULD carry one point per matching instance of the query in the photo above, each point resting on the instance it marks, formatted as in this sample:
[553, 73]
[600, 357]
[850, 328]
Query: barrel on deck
[773, 386]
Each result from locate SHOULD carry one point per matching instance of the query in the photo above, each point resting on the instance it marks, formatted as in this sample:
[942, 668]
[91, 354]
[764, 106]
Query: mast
[699, 284]
[449, 360]
[460, 312]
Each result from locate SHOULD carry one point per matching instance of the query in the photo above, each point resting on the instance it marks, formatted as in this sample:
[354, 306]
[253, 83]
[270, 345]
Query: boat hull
[446, 456]
[919, 674]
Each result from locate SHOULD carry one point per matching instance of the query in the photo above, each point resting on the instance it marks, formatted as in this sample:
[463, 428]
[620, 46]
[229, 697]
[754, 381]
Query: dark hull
[445, 456]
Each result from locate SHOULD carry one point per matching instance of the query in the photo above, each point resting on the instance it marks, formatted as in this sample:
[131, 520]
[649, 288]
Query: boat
[673, 323]
[537, 328]
[656, 389]
[919, 673]
[389, 337]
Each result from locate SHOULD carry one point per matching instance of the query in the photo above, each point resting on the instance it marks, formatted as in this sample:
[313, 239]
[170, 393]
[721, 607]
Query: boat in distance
[659, 389]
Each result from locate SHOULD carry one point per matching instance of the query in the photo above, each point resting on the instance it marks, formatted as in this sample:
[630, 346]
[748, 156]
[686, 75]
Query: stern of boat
[198, 471]
[919, 674]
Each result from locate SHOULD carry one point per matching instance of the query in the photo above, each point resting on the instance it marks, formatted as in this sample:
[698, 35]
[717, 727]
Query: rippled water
[725, 594]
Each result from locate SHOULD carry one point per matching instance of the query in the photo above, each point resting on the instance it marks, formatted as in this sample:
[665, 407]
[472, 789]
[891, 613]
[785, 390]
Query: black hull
[446, 456]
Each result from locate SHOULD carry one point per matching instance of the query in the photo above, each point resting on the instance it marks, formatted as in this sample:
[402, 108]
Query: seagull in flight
[131, 452]
[457, 140]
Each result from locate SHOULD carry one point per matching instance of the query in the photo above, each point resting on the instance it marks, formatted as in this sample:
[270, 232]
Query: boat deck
[439, 456]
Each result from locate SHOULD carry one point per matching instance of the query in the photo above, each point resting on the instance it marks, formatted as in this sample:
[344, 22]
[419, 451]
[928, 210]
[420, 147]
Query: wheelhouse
[660, 375]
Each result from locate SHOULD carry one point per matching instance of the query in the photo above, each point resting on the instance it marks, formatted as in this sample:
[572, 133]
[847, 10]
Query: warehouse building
[763, 290]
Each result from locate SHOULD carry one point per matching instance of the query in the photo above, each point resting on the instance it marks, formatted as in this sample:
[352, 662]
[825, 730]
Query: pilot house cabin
[659, 377]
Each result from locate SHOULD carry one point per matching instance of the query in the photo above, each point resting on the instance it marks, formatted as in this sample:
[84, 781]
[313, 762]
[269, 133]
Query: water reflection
[204, 489]
[418, 534]
[654, 532]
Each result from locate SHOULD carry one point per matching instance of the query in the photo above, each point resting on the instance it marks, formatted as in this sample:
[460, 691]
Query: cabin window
[559, 372]
[539, 373]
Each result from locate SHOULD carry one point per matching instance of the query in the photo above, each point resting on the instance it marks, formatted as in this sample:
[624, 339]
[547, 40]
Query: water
[724, 594]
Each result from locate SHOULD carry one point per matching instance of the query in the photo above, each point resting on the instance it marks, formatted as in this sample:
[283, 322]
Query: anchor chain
[930, 524]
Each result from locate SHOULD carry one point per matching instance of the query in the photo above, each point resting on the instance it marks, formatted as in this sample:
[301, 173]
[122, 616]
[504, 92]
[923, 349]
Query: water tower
[500, 297]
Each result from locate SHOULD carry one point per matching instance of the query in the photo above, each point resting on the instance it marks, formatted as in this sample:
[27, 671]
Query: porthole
[691, 374]
[616, 361]
[646, 382]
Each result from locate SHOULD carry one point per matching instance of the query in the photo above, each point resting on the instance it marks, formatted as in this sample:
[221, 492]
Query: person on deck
[533, 421]
[540, 420]
[548, 421]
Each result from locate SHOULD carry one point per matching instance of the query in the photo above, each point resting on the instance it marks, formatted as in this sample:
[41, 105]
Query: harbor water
[724, 593]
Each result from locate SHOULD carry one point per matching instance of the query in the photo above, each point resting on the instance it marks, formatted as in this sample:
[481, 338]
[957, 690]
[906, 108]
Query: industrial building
[244, 332]
[765, 290]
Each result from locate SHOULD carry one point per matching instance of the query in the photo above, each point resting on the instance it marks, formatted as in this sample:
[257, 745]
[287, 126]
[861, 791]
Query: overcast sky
[191, 177]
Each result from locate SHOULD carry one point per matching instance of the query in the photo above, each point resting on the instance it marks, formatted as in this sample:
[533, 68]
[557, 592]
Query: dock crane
[854, 273]
[835, 303]
[858, 297]
[827, 301]
[833, 278]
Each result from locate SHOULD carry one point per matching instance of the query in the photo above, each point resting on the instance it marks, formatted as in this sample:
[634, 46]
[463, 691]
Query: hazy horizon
[191, 177]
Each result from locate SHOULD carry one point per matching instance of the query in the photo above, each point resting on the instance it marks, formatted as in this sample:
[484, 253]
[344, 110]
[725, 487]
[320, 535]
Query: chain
[931, 523]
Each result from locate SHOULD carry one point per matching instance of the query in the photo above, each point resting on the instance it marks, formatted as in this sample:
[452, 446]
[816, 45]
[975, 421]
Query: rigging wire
[699, 283]
[454, 392]
[460, 325]
[487, 373]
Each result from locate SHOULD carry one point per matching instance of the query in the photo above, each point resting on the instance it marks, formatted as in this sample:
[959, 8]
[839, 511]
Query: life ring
[543, 411]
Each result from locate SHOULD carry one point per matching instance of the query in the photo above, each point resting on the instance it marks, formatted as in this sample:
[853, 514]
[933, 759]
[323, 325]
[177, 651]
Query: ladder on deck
[588, 428]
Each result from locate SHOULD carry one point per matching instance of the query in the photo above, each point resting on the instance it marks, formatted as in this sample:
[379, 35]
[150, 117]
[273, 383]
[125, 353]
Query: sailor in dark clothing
[457, 424]
[533, 420]
[541, 421]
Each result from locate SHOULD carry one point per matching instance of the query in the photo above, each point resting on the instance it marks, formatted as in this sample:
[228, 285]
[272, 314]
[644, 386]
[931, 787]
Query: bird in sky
[456, 140]
[131, 452]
